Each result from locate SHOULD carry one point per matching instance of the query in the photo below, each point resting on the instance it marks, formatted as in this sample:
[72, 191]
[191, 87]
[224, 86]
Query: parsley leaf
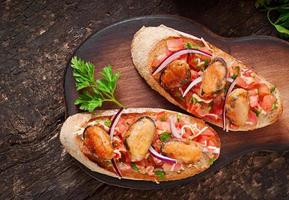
[165, 136]
[96, 91]
[107, 122]
[160, 173]
[281, 10]
[134, 166]
[274, 106]
[257, 112]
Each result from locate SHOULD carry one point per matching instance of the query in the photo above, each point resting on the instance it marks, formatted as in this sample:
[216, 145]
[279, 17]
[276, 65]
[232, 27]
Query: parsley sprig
[281, 11]
[96, 91]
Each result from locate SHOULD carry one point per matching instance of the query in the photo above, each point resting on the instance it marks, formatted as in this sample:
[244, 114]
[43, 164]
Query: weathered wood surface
[37, 39]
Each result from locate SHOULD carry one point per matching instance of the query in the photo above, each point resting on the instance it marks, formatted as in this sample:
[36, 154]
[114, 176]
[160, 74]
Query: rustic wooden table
[38, 37]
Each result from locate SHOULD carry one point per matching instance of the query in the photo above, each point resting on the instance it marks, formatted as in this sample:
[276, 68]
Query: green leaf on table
[88, 102]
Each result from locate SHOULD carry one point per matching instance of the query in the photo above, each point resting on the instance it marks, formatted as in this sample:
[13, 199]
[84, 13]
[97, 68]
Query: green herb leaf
[194, 100]
[234, 76]
[88, 102]
[160, 173]
[189, 45]
[273, 89]
[107, 122]
[134, 166]
[257, 112]
[100, 91]
[83, 73]
[165, 136]
[281, 10]
[274, 106]
[212, 160]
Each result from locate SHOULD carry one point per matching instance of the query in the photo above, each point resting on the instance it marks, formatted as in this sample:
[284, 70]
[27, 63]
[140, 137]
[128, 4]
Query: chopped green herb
[257, 112]
[179, 117]
[161, 174]
[274, 106]
[212, 160]
[234, 76]
[134, 166]
[163, 118]
[189, 45]
[107, 122]
[194, 100]
[273, 89]
[165, 136]
[206, 62]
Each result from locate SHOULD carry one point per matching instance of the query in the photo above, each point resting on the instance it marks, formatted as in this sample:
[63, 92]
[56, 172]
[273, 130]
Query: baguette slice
[74, 134]
[261, 98]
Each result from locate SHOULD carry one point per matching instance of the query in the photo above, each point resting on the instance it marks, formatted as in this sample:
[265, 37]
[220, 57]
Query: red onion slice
[224, 110]
[173, 127]
[111, 131]
[116, 168]
[177, 54]
[192, 84]
[160, 156]
[114, 123]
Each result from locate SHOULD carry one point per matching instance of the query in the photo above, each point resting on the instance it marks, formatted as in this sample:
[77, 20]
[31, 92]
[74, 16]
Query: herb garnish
[257, 112]
[161, 174]
[107, 122]
[189, 45]
[281, 9]
[134, 166]
[165, 136]
[274, 106]
[97, 91]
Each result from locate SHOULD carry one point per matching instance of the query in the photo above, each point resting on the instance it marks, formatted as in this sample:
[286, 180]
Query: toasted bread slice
[149, 41]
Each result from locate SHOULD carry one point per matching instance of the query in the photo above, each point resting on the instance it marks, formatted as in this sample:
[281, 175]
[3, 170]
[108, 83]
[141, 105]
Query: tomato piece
[252, 117]
[183, 57]
[175, 44]
[263, 90]
[194, 74]
[208, 132]
[163, 54]
[218, 105]
[247, 82]
[192, 62]
[267, 102]
[254, 100]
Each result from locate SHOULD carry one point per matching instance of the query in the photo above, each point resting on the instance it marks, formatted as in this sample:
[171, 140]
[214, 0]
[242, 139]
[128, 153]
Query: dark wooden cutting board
[266, 55]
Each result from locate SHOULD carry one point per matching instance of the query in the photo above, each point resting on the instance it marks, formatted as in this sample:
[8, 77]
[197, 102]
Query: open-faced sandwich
[204, 80]
[141, 143]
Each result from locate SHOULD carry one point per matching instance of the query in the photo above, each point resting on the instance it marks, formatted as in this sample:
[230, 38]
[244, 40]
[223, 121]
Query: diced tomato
[252, 117]
[194, 74]
[183, 57]
[163, 54]
[208, 132]
[163, 125]
[171, 167]
[218, 106]
[267, 102]
[253, 92]
[247, 82]
[263, 90]
[175, 44]
[254, 100]
[192, 62]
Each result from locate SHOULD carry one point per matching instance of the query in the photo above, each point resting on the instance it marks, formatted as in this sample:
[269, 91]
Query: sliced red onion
[192, 84]
[177, 54]
[161, 157]
[111, 131]
[215, 150]
[230, 80]
[114, 123]
[173, 127]
[115, 167]
[224, 109]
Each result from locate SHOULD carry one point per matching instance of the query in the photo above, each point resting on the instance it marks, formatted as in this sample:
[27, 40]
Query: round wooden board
[266, 55]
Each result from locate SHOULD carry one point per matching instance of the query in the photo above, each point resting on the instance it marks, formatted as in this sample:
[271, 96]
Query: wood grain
[266, 55]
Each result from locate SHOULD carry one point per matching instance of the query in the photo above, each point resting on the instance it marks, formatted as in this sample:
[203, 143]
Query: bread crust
[69, 140]
[144, 42]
